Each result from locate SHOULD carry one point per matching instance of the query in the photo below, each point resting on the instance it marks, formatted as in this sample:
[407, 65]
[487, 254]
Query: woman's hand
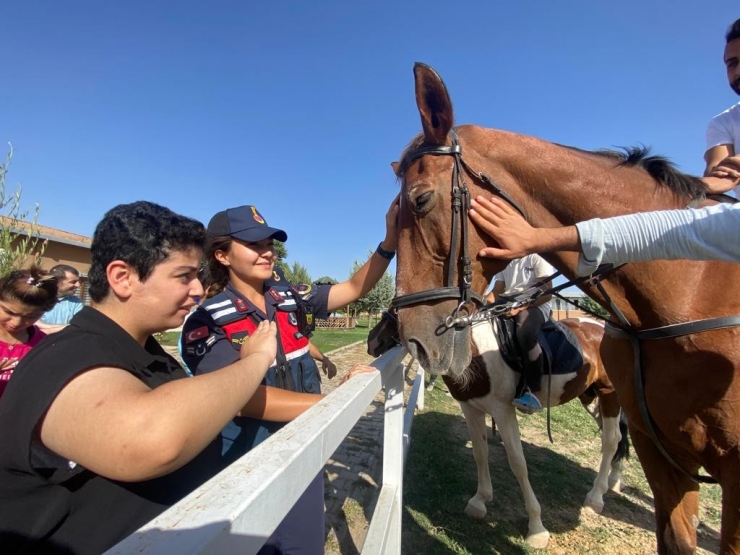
[390, 243]
[329, 368]
[262, 341]
[357, 369]
[6, 363]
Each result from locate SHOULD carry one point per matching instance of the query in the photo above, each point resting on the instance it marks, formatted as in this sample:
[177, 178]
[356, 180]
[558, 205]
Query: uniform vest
[239, 319]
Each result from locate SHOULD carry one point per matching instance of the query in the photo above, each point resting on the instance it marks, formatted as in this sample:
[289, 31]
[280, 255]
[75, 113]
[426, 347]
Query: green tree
[593, 306]
[378, 298]
[19, 239]
[297, 273]
[326, 279]
[281, 253]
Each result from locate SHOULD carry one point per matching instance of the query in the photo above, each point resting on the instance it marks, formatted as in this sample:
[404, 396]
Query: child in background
[24, 297]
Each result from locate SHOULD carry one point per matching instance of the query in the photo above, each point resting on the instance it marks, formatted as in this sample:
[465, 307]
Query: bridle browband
[460, 206]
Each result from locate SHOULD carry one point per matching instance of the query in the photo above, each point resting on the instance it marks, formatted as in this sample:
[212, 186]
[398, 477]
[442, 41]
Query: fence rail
[237, 510]
[336, 322]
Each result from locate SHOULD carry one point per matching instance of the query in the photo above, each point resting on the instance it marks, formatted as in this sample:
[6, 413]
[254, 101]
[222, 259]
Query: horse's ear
[395, 166]
[433, 101]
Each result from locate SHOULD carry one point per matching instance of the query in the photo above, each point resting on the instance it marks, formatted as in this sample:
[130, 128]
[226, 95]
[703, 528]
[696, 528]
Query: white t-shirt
[711, 233]
[724, 129]
[521, 274]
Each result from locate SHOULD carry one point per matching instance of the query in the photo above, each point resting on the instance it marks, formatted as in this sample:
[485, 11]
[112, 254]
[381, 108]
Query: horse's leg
[476, 421]
[610, 437]
[432, 379]
[623, 447]
[508, 428]
[676, 498]
[730, 540]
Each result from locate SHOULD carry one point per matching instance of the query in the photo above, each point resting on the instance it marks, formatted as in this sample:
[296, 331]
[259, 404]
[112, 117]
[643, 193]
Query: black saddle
[562, 352]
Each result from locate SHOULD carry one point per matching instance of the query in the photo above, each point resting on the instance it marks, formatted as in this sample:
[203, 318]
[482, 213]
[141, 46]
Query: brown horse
[688, 382]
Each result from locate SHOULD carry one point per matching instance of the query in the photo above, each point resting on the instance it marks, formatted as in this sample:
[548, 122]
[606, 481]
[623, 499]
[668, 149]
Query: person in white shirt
[723, 132]
[518, 278]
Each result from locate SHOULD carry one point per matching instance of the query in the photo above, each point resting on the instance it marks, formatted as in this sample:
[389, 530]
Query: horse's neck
[652, 294]
[561, 187]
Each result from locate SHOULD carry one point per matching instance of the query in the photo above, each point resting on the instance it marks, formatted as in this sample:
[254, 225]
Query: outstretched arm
[370, 273]
[663, 235]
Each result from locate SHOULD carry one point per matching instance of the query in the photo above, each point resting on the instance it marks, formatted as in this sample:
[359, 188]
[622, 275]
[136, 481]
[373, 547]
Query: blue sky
[299, 107]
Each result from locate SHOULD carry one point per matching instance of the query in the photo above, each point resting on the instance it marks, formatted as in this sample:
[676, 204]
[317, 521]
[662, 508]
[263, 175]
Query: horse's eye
[422, 201]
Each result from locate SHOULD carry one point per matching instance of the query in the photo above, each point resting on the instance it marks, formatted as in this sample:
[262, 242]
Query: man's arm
[661, 235]
[713, 157]
[111, 423]
[498, 289]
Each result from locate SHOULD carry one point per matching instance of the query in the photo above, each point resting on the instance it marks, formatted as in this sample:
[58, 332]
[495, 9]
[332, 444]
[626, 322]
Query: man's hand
[514, 311]
[501, 221]
[725, 176]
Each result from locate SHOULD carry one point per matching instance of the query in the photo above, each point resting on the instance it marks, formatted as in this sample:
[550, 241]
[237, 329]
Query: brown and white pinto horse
[691, 386]
[488, 386]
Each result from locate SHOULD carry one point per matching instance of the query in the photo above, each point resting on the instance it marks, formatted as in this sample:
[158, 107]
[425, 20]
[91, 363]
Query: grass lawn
[440, 477]
[325, 340]
[328, 340]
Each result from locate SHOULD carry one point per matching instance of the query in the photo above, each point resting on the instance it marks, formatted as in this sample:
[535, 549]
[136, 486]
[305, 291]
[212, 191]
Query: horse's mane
[658, 167]
[661, 169]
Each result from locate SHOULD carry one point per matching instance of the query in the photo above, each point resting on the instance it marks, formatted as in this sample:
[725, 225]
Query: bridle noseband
[462, 316]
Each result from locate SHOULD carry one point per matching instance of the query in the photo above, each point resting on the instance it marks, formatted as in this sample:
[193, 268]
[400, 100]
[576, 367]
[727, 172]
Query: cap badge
[257, 217]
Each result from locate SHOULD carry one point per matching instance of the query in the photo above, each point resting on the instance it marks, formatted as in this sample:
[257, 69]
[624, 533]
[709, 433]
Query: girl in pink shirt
[24, 297]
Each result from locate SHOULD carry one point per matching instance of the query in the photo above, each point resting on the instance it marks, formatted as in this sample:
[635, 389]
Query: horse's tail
[623, 449]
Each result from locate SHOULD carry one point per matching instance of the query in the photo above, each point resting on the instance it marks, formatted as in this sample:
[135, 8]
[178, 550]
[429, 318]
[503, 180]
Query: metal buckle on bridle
[455, 320]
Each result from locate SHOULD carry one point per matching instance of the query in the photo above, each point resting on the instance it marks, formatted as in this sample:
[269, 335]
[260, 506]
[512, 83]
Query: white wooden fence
[237, 510]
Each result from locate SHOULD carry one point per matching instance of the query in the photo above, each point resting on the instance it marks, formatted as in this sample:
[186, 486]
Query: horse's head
[439, 280]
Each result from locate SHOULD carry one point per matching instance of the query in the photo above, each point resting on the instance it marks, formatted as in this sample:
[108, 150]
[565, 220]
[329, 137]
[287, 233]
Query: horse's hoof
[430, 388]
[616, 487]
[475, 511]
[538, 540]
[593, 506]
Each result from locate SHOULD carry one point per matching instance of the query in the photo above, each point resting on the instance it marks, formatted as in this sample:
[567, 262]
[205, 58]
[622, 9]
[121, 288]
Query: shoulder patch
[197, 333]
[238, 339]
[302, 289]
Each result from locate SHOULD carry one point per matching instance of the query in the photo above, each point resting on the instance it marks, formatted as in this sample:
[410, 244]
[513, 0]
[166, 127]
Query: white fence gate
[237, 510]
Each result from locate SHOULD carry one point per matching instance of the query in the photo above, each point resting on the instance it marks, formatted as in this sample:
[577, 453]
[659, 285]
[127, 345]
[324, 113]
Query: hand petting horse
[676, 378]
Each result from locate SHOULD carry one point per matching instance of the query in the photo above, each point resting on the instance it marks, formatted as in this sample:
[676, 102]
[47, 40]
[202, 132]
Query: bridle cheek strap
[459, 234]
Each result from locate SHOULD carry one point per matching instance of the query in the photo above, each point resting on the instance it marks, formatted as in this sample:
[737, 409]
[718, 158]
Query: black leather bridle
[460, 205]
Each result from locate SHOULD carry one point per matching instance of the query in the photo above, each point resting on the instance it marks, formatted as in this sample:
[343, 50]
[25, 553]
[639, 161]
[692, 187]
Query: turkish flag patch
[197, 333]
